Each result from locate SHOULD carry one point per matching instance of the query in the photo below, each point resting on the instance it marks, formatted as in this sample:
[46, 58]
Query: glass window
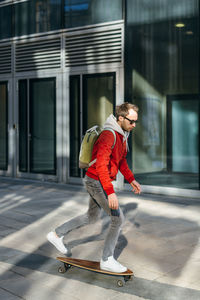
[183, 137]
[185, 123]
[162, 78]
[98, 97]
[42, 126]
[87, 12]
[37, 16]
[3, 127]
[5, 22]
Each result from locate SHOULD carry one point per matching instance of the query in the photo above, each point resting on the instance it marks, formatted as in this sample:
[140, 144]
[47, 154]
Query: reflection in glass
[87, 12]
[36, 16]
[5, 22]
[185, 124]
[162, 59]
[98, 99]
[3, 127]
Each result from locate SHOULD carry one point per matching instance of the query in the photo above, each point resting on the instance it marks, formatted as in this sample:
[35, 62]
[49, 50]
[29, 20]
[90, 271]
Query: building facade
[66, 64]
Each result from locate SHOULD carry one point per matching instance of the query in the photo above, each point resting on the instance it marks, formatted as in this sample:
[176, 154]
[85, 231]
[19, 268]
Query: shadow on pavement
[28, 263]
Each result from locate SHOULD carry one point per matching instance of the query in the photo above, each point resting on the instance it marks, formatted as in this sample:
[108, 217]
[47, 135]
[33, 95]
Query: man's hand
[136, 187]
[113, 201]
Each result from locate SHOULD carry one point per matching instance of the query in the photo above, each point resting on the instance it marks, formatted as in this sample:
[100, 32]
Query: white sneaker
[57, 242]
[112, 265]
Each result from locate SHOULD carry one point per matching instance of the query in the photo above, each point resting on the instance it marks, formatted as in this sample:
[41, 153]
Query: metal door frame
[10, 128]
[58, 101]
[119, 93]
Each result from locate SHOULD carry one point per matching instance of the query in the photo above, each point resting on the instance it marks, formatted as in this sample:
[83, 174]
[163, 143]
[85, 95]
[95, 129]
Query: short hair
[123, 109]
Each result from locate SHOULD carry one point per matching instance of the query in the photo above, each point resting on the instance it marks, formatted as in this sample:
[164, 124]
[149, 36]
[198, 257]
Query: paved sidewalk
[159, 242]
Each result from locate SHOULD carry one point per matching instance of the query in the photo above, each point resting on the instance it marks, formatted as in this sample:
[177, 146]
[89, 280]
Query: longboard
[93, 266]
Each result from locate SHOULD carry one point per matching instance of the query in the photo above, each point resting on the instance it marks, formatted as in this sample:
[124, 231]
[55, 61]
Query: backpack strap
[108, 129]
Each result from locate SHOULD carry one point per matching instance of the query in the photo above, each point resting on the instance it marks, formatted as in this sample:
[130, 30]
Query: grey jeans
[97, 200]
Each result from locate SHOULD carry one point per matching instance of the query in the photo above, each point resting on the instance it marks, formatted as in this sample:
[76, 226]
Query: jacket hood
[111, 122]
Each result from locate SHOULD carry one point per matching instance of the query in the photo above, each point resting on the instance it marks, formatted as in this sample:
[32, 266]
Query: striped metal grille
[5, 59]
[72, 48]
[100, 46]
[38, 55]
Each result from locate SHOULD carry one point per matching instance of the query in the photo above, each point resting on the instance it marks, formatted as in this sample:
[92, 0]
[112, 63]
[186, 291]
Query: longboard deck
[91, 266]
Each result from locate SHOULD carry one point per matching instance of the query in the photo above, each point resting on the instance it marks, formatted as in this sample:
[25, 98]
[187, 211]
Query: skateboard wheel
[120, 283]
[61, 270]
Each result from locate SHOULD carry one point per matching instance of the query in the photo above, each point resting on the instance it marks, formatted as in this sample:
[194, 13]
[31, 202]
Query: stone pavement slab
[7, 295]
[159, 242]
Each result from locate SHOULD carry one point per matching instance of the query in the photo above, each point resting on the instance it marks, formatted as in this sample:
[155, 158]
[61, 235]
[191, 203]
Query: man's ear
[120, 118]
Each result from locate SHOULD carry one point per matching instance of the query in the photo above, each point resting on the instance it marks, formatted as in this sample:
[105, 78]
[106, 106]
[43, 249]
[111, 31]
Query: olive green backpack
[87, 144]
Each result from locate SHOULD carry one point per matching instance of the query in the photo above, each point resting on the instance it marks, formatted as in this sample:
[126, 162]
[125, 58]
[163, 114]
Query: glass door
[183, 139]
[92, 100]
[98, 99]
[37, 126]
[3, 126]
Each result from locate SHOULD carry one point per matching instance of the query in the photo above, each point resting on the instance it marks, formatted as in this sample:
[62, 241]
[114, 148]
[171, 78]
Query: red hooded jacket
[109, 161]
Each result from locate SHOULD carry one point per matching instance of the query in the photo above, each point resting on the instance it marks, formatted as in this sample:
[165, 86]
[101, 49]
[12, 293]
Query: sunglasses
[131, 121]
